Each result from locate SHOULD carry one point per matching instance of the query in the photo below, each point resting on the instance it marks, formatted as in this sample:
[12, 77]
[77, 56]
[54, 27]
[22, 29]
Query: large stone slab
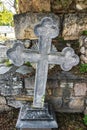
[34, 5]
[24, 24]
[73, 25]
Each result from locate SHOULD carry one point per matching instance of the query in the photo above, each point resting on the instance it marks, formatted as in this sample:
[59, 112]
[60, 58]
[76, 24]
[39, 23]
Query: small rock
[24, 70]
[82, 50]
[83, 58]
[4, 108]
[4, 69]
[2, 100]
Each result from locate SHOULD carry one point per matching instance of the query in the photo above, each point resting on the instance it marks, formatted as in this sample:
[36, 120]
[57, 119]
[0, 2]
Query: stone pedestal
[36, 118]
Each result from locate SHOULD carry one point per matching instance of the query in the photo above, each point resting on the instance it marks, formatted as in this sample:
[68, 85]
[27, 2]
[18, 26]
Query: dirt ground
[66, 121]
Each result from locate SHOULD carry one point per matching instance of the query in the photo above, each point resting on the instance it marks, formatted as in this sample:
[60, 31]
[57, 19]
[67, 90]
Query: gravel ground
[65, 121]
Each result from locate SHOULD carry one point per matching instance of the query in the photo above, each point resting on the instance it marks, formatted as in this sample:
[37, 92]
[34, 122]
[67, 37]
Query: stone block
[57, 92]
[2, 100]
[80, 89]
[11, 101]
[81, 4]
[11, 91]
[34, 6]
[29, 92]
[29, 82]
[66, 84]
[73, 25]
[3, 50]
[56, 102]
[76, 103]
[83, 48]
[52, 84]
[4, 108]
[24, 24]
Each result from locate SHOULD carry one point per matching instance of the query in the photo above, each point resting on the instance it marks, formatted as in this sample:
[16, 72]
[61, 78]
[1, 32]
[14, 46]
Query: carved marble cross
[46, 30]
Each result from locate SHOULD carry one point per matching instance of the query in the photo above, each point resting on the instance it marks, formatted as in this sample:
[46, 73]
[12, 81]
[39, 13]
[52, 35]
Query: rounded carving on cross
[46, 28]
[15, 54]
[71, 59]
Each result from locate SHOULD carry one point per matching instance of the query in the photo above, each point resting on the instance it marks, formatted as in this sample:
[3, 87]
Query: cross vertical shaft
[41, 72]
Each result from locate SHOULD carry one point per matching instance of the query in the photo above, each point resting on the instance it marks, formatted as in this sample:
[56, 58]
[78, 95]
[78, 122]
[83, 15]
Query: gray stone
[24, 24]
[2, 100]
[29, 82]
[66, 84]
[11, 101]
[73, 25]
[3, 50]
[24, 70]
[11, 90]
[30, 92]
[36, 118]
[45, 30]
[4, 69]
[10, 83]
[4, 108]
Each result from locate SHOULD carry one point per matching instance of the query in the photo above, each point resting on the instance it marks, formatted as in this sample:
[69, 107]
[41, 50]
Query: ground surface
[65, 121]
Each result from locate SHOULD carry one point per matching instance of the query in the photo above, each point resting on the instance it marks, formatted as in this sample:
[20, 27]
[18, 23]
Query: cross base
[36, 118]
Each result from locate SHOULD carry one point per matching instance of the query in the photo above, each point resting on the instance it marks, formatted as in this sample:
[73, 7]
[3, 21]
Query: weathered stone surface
[83, 48]
[66, 84]
[56, 102]
[10, 83]
[73, 25]
[14, 103]
[4, 108]
[4, 69]
[80, 89]
[24, 24]
[34, 6]
[24, 70]
[81, 4]
[29, 92]
[2, 100]
[29, 82]
[76, 103]
[3, 50]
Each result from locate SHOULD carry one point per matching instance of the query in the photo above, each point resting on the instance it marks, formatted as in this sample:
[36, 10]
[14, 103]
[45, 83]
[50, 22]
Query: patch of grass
[84, 32]
[83, 68]
[85, 119]
[28, 64]
[8, 63]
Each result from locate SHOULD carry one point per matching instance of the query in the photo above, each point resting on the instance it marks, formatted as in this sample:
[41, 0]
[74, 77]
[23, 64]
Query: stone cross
[46, 30]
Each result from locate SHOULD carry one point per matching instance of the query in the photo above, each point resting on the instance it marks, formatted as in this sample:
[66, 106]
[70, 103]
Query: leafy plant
[6, 17]
[85, 119]
[83, 68]
[8, 63]
[84, 32]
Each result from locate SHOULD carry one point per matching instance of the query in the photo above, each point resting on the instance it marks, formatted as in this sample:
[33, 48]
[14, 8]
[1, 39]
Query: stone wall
[66, 91]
